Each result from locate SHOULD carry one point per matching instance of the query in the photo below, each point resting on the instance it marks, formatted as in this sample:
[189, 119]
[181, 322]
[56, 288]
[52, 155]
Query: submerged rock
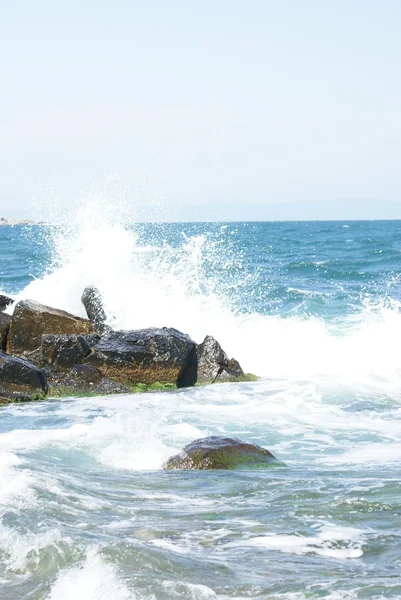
[31, 320]
[20, 380]
[5, 321]
[93, 302]
[217, 452]
[146, 356]
[213, 363]
[4, 302]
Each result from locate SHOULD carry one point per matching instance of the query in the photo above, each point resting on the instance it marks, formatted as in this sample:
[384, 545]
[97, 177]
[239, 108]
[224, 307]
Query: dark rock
[4, 302]
[20, 380]
[31, 320]
[93, 302]
[107, 386]
[83, 379]
[217, 452]
[145, 356]
[213, 363]
[189, 373]
[65, 351]
[85, 375]
[5, 321]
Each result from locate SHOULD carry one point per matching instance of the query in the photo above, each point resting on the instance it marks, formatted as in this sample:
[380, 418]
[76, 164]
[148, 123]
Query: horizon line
[13, 222]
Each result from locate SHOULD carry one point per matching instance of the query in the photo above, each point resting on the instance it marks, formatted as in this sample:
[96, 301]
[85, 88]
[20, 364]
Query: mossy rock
[217, 452]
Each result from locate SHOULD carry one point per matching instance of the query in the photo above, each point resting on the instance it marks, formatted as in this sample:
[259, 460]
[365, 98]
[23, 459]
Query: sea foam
[163, 284]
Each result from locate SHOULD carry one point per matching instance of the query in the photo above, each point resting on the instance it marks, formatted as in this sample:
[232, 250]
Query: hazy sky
[187, 106]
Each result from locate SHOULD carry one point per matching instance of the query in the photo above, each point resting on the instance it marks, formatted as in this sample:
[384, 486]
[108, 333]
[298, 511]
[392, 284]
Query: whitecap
[191, 591]
[332, 542]
[95, 579]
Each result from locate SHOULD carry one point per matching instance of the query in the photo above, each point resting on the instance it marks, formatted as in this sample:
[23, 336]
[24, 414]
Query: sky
[202, 109]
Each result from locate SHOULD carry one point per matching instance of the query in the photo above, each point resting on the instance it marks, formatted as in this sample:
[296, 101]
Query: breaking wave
[158, 283]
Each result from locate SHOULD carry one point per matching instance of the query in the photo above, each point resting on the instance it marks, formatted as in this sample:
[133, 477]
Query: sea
[313, 310]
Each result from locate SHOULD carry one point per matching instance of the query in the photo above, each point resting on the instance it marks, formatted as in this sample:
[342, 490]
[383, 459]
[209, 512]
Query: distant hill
[12, 222]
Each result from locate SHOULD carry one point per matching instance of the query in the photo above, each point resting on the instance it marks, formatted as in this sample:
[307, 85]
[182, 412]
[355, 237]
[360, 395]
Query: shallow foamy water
[87, 511]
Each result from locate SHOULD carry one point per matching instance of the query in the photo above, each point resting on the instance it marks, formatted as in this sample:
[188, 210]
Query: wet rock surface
[85, 375]
[31, 320]
[5, 321]
[214, 364]
[188, 376]
[217, 452]
[65, 351]
[93, 303]
[83, 379]
[20, 380]
[85, 355]
[5, 301]
[146, 356]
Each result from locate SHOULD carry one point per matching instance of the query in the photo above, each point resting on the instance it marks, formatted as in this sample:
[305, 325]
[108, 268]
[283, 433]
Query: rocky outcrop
[20, 380]
[217, 452]
[93, 303]
[31, 320]
[4, 302]
[146, 356]
[214, 364]
[5, 321]
[87, 356]
[63, 360]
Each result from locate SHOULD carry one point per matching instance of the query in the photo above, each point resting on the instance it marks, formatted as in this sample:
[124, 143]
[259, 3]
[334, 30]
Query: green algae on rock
[217, 452]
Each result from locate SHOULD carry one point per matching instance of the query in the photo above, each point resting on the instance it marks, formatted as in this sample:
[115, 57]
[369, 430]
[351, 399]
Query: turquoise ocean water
[313, 309]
